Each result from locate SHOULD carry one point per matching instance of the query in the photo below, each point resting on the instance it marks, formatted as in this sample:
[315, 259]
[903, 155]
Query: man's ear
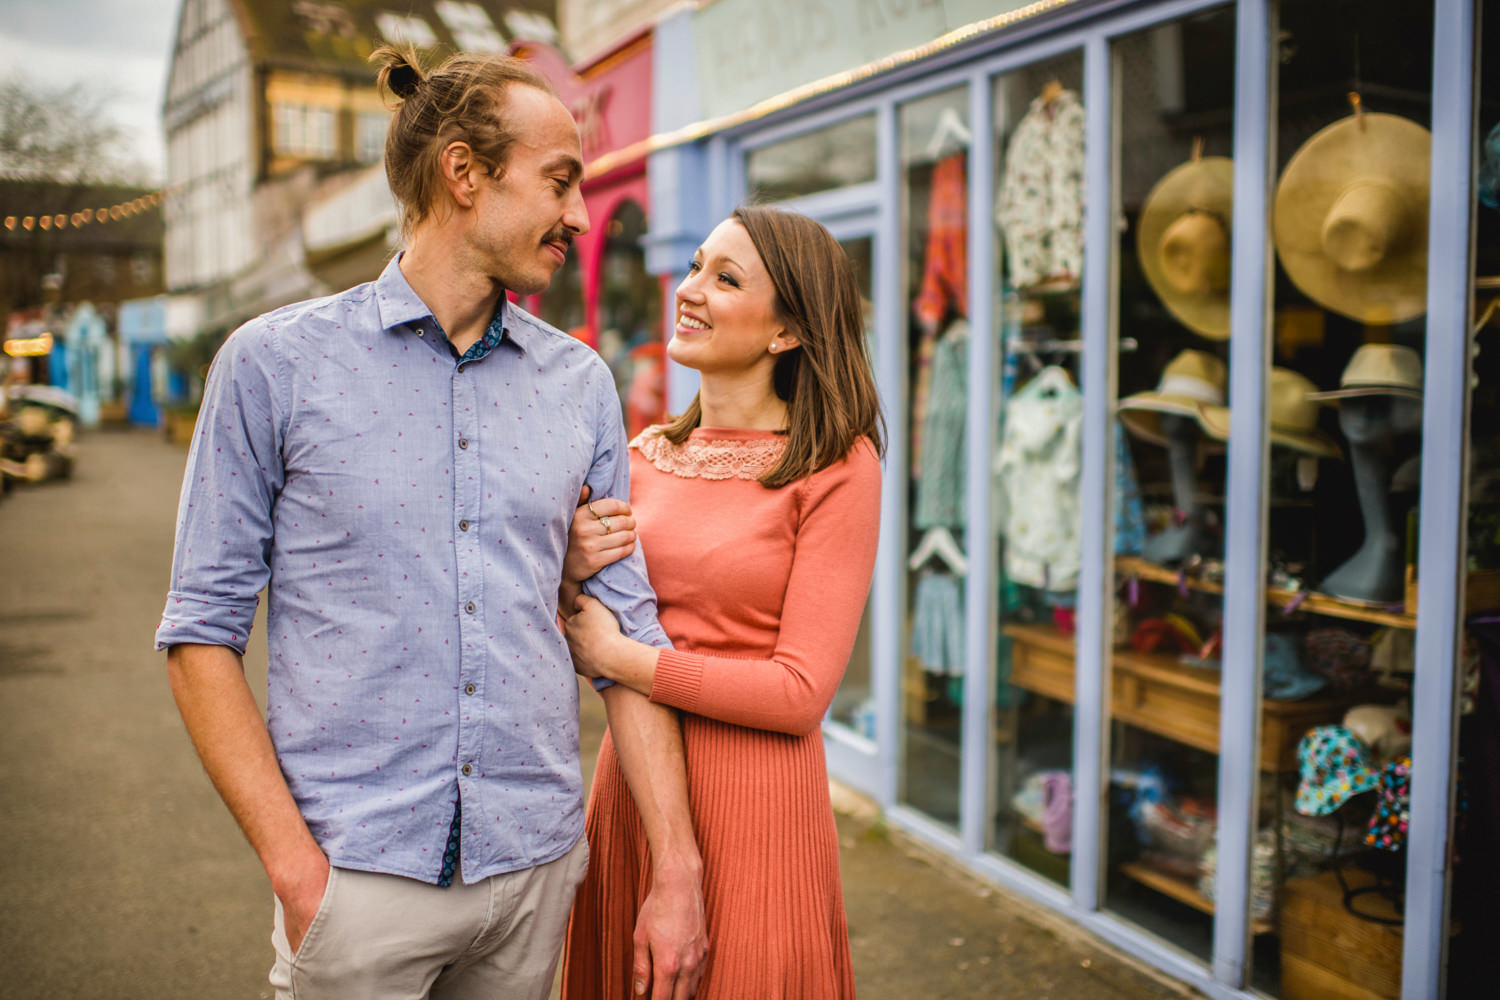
[460, 172]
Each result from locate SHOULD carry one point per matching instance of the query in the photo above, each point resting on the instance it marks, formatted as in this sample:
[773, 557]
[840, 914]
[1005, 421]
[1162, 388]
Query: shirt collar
[398, 305]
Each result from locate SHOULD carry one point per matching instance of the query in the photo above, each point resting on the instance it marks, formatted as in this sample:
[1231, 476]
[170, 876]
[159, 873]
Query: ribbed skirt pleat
[774, 903]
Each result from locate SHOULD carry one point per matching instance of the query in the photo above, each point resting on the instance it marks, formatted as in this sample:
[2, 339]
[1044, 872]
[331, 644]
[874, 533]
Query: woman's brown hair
[464, 99]
[826, 383]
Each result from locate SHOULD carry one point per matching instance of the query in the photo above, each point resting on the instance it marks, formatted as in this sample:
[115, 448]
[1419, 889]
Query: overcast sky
[119, 48]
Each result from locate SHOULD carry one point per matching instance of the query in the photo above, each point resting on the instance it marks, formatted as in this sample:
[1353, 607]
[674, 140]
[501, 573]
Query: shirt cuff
[679, 679]
[194, 620]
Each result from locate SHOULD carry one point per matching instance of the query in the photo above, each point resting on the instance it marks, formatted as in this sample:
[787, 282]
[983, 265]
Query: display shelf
[1180, 889]
[1312, 602]
[1162, 695]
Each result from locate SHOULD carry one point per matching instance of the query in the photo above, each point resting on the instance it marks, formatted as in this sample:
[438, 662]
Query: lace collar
[713, 452]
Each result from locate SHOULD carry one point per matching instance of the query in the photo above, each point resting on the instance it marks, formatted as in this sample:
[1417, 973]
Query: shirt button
[469, 689]
[467, 770]
[421, 332]
[463, 525]
[463, 442]
[461, 369]
[470, 608]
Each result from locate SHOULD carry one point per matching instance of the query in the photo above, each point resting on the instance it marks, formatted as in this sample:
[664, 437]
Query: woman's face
[726, 308]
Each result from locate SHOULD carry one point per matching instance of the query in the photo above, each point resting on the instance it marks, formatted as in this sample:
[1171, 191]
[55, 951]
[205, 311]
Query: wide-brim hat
[1183, 242]
[1293, 415]
[1350, 217]
[1188, 382]
[1378, 370]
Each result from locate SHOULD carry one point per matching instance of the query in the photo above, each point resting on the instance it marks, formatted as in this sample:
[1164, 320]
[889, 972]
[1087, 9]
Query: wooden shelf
[1312, 602]
[1160, 694]
[1180, 889]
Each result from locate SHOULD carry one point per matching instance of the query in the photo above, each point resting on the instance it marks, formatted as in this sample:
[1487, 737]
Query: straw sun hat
[1351, 217]
[1190, 380]
[1194, 385]
[1292, 413]
[1378, 370]
[1183, 243]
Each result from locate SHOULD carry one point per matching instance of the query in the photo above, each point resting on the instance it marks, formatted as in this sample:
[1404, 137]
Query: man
[401, 462]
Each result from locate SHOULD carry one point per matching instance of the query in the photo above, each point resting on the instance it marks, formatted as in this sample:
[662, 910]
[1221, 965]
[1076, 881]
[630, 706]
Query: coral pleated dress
[761, 591]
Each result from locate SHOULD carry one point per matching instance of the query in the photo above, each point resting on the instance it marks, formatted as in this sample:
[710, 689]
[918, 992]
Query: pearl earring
[773, 348]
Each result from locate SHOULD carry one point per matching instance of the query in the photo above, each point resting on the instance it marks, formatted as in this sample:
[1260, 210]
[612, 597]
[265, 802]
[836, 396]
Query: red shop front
[604, 295]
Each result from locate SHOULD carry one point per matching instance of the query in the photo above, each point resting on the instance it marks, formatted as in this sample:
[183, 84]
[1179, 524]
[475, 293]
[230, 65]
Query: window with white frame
[471, 27]
[399, 29]
[304, 130]
[369, 135]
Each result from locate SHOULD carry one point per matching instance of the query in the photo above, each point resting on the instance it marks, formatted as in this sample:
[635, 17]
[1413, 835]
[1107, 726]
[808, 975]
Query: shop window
[1476, 879]
[839, 156]
[1172, 148]
[369, 136]
[1349, 230]
[630, 340]
[1039, 149]
[562, 303]
[935, 138]
[304, 130]
[854, 702]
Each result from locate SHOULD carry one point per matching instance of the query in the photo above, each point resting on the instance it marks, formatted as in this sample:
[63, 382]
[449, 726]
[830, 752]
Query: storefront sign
[750, 50]
[29, 347]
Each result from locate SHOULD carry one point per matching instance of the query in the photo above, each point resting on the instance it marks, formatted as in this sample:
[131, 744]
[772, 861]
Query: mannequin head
[1379, 421]
[1178, 429]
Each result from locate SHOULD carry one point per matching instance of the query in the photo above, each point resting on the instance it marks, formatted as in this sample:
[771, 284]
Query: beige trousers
[383, 937]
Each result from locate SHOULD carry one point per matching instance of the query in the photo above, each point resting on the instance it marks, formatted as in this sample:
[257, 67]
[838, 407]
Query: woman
[758, 510]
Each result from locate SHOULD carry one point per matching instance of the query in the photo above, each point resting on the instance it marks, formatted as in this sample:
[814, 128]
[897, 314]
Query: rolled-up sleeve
[623, 587]
[221, 560]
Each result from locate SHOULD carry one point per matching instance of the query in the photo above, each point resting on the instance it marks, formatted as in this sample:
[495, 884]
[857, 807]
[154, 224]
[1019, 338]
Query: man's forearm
[648, 742]
[227, 729]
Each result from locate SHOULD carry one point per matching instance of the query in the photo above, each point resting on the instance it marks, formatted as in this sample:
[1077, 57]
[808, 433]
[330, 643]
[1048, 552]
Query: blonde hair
[826, 383]
[464, 100]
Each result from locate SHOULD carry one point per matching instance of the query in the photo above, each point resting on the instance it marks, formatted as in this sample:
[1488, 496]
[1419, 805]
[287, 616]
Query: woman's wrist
[633, 664]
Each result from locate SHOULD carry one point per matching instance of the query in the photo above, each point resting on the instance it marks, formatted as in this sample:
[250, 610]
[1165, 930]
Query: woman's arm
[602, 532]
[825, 597]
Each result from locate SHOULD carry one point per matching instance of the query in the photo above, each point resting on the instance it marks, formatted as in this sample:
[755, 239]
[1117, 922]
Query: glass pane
[1476, 885]
[833, 157]
[1176, 184]
[854, 702]
[934, 156]
[1349, 215]
[630, 320]
[562, 302]
[1038, 133]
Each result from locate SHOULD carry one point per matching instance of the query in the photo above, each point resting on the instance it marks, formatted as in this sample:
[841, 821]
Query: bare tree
[62, 134]
[62, 157]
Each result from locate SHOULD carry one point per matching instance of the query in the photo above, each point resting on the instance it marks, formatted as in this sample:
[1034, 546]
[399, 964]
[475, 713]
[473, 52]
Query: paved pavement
[123, 876]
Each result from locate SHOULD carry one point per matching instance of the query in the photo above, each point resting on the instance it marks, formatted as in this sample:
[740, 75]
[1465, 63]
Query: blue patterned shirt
[409, 509]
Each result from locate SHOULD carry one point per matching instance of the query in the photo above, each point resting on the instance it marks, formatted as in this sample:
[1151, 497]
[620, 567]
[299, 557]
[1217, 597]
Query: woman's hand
[593, 637]
[602, 532]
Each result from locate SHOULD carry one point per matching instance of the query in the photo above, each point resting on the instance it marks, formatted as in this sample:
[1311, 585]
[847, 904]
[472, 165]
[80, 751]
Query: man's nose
[576, 216]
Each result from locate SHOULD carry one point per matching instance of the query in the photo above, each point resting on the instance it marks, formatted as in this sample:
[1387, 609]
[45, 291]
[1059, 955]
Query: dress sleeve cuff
[679, 677]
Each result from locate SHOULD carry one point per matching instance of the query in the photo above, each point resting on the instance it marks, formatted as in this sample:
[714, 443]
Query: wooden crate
[1328, 953]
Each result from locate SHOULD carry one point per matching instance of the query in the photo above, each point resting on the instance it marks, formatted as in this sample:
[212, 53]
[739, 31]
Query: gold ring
[605, 521]
[590, 505]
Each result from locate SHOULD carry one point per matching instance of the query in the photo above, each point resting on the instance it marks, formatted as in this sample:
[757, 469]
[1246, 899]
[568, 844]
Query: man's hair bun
[400, 72]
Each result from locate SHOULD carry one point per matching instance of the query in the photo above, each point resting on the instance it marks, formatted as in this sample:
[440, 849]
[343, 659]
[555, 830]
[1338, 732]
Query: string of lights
[87, 216]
